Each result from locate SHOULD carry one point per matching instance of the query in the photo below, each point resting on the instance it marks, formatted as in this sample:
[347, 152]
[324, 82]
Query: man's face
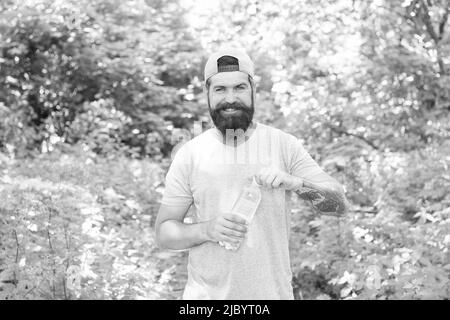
[230, 101]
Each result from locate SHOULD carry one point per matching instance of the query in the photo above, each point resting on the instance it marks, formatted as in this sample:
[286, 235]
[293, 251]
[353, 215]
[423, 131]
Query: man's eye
[218, 89]
[240, 88]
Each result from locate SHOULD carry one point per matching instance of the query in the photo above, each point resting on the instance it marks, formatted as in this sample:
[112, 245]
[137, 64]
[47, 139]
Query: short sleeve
[177, 190]
[301, 163]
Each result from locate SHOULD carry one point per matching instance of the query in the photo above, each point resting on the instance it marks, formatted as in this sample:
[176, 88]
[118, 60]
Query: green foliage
[58, 57]
[364, 257]
[396, 248]
[76, 226]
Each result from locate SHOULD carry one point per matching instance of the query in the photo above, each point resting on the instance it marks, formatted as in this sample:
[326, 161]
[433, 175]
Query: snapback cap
[242, 63]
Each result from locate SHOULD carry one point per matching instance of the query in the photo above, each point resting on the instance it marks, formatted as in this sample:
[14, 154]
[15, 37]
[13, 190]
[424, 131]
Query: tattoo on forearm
[325, 200]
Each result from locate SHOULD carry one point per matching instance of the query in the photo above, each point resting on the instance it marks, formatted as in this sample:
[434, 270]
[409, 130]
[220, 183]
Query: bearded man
[211, 170]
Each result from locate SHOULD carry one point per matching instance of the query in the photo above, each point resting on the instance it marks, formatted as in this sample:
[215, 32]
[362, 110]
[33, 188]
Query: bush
[79, 226]
[395, 249]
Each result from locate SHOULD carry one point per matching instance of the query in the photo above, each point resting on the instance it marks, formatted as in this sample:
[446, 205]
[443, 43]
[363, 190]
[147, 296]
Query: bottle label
[246, 206]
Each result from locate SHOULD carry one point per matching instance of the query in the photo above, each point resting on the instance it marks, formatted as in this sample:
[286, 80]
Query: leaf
[133, 205]
[22, 262]
[90, 210]
[349, 278]
[346, 291]
[111, 194]
[447, 240]
[316, 223]
[73, 277]
[373, 278]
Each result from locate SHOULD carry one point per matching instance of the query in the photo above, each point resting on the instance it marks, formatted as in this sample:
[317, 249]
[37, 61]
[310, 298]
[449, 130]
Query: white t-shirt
[210, 174]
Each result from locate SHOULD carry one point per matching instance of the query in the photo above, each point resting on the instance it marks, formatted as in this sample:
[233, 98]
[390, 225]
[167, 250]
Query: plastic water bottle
[245, 207]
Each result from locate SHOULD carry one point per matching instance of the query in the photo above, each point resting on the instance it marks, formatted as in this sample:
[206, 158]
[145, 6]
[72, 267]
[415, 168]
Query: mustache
[239, 121]
[233, 105]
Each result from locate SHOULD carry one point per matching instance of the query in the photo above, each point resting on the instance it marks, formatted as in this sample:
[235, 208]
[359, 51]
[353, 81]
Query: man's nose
[230, 97]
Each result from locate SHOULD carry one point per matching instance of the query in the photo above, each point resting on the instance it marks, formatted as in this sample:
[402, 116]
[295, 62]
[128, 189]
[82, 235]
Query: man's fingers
[231, 240]
[261, 176]
[277, 182]
[266, 177]
[235, 218]
[266, 180]
[269, 180]
[258, 178]
[233, 234]
[234, 226]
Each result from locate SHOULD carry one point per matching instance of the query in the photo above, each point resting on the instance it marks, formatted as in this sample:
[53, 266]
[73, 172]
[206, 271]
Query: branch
[48, 232]
[15, 281]
[53, 252]
[442, 23]
[430, 29]
[339, 235]
[362, 210]
[342, 131]
[66, 238]
[428, 23]
[29, 291]
[17, 245]
[65, 289]
[67, 261]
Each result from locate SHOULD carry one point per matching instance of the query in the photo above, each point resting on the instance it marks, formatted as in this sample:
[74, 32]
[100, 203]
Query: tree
[60, 57]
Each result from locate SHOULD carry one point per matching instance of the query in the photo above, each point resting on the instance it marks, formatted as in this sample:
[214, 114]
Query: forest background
[94, 95]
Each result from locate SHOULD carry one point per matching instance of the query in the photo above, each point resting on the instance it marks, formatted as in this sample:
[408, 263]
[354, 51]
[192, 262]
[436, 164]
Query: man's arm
[325, 193]
[327, 196]
[173, 233]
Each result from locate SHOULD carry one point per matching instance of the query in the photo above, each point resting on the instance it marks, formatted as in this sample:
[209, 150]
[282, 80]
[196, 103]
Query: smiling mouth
[230, 110]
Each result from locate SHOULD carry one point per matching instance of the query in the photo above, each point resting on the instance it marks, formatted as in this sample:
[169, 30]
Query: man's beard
[239, 120]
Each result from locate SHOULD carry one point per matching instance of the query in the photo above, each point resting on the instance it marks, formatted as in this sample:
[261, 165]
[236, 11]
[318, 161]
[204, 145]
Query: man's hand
[272, 177]
[228, 227]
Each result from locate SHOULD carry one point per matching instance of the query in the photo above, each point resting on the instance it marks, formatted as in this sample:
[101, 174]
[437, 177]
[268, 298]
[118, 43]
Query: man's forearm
[176, 235]
[327, 197]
